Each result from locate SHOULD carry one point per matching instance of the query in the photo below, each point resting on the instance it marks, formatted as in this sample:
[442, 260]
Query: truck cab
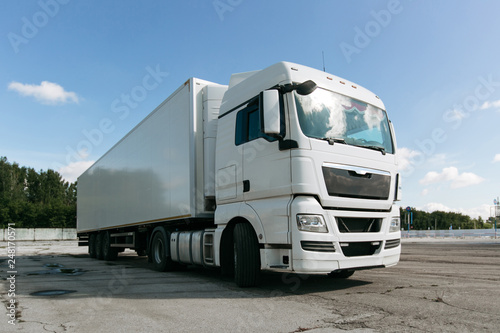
[307, 162]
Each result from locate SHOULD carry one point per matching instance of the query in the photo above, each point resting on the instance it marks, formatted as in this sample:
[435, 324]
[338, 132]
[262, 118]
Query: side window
[248, 124]
[253, 123]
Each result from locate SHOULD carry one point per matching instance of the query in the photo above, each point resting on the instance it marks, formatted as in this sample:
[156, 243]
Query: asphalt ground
[438, 286]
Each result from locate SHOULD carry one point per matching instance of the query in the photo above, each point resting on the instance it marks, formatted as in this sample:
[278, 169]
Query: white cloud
[434, 206]
[489, 105]
[496, 158]
[451, 174]
[73, 170]
[424, 192]
[433, 177]
[45, 93]
[437, 159]
[466, 179]
[474, 212]
[405, 155]
[456, 114]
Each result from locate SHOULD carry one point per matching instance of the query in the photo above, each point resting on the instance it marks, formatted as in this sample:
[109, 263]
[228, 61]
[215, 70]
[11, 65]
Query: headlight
[313, 223]
[395, 224]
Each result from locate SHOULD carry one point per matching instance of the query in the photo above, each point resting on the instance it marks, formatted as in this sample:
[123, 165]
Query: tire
[92, 240]
[108, 253]
[160, 253]
[98, 246]
[246, 256]
[344, 274]
[227, 254]
[141, 252]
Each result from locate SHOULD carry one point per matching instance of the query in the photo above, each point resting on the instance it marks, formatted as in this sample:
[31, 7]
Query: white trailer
[286, 169]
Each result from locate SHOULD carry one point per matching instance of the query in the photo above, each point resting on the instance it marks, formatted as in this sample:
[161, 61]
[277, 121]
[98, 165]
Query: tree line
[439, 220]
[32, 199]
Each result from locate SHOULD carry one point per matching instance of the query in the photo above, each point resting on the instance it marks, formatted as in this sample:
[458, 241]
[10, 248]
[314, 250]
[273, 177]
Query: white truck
[287, 169]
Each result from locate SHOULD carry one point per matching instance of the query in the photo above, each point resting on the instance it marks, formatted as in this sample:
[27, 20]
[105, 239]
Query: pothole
[55, 268]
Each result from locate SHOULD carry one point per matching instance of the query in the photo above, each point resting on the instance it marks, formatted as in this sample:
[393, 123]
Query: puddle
[52, 292]
[53, 265]
[70, 271]
[59, 271]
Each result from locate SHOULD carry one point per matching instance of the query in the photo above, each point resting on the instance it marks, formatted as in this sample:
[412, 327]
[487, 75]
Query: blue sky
[76, 76]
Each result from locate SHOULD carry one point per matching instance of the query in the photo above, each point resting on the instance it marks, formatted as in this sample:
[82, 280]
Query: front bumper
[319, 253]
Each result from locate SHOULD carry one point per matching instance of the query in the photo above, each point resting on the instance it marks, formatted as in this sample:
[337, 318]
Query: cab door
[266, 171]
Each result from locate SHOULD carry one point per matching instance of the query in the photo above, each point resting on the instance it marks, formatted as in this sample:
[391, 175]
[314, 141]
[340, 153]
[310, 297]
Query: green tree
[35, 199]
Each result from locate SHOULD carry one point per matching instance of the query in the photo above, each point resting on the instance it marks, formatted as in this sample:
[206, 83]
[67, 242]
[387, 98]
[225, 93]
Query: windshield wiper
[380, 149]
[331, 141]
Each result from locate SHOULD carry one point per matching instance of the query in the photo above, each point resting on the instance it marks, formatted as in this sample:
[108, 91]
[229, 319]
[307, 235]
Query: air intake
[392, 243]
[317, 246]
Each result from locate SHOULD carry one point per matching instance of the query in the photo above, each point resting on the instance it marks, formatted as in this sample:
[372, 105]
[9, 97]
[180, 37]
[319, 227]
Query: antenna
[323, 52]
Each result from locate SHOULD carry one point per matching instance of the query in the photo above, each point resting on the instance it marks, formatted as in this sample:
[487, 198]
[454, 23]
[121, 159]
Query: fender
[225, 213]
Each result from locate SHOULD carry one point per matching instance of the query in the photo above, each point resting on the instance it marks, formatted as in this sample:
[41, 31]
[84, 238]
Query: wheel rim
[158, 250]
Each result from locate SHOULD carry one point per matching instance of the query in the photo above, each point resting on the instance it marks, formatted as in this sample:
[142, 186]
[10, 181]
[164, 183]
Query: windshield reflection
[334, 117]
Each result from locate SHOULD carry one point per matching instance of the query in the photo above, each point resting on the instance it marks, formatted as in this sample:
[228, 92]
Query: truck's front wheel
[246, 256]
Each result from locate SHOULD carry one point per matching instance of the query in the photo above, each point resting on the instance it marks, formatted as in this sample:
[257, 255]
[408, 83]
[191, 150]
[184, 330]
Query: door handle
[246, 185]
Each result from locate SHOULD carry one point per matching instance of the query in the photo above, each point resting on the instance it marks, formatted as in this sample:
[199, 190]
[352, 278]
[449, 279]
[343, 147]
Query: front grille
[357, 224]
[392, 243]
[354, 182]
[357, 249]
[317, 246]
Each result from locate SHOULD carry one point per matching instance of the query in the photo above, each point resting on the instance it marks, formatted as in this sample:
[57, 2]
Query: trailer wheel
[98, 246]
[246, 256]
[108, 253]
[92, 253]
[160, 253]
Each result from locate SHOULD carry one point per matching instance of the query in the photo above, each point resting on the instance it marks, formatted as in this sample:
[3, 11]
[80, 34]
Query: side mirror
[306, 88]
[270, 109]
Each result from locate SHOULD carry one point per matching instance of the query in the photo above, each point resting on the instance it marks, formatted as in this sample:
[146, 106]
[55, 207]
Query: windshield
[330, 116]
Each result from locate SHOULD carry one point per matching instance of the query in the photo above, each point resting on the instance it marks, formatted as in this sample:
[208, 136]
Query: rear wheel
[92, 253]
[246, 256]
[141, 252]
[160, 253]
[108, 253]
[98, 246]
